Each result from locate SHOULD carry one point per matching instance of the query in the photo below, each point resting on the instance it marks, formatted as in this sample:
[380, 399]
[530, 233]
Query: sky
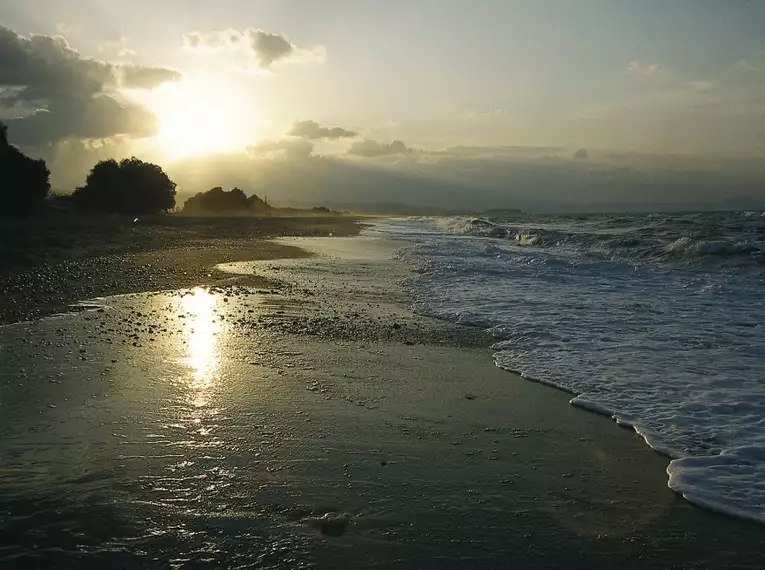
[540, 104]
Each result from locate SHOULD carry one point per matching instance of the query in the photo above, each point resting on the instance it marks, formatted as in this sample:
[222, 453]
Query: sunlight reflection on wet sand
[202, 356]
[201, 336]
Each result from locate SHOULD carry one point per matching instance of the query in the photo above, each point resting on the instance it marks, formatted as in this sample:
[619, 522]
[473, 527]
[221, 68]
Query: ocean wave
[673, 351]
[735, 240]
[687, 246]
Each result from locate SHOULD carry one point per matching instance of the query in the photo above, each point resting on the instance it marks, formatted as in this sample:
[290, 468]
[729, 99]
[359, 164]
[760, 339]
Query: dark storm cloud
[98, 117]
[265, 48]
[371, 149]
[68, 95]
[313, 130]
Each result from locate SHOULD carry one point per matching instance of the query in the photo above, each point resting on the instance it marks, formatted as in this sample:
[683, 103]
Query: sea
[656, 320]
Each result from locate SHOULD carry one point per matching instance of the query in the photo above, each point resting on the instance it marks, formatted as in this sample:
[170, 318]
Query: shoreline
[658, 490]
[348, 429]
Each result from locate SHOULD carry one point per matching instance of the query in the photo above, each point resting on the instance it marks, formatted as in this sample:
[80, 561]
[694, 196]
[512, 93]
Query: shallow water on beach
[120, 437]
[193, 429]
[656, 320]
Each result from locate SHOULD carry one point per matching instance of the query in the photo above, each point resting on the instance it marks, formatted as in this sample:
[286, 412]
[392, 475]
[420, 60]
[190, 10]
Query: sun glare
[200, 117]
[202, 328]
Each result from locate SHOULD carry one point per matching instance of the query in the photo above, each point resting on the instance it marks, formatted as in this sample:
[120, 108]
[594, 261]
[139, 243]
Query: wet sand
[320, 424]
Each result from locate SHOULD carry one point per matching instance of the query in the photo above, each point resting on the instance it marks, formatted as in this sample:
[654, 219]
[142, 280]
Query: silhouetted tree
[24, 181]
[218, 201]
[130, 186]
[255, 204]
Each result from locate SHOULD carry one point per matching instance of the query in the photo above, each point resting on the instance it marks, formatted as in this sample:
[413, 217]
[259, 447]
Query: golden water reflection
[197, 409]
[202, 328]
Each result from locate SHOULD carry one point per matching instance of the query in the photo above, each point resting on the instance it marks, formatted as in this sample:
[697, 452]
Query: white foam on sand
[732, 482]
[674, 353]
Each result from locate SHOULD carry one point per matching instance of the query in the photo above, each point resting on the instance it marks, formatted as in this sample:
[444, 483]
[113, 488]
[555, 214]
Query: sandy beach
[273, 412]
[47, 265]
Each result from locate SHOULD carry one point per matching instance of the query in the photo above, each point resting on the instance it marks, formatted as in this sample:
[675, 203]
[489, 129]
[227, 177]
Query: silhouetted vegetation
[130, 187]
[218, 201]
[127, 187]
[255, 204]
[24, 181]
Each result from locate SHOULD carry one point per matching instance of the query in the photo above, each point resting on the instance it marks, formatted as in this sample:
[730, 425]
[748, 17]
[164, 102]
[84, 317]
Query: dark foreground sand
[317, 425]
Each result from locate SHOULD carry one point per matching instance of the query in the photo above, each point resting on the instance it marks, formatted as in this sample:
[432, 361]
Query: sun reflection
[201, 337]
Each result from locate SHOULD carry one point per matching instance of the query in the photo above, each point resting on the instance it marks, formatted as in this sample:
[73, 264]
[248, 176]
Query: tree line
[24, 182]
[218, 201]
[130, 186]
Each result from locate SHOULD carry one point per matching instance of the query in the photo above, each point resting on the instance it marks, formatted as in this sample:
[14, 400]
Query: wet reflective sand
[198, 429]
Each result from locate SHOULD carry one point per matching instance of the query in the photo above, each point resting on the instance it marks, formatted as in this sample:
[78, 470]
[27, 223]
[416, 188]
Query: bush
[218, 201]
[127, 187]
[24, 182]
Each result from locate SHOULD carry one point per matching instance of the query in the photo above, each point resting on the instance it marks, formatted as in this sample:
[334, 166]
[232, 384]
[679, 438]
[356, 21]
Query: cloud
[497, 177]
[119, 47]
[99, 117]
[753, 63]
[646, 70]
[263, 48]
[722, 113]
[473, 115]
[469, 178]
[370, 149]
[299, 142]
[63, 94]
[508, 151]
[313, 130]
[140, 77]
[701, 86]
[291, 148]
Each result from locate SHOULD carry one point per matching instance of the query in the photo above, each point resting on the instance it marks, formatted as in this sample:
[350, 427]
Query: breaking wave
[654, 320]
[698, 238]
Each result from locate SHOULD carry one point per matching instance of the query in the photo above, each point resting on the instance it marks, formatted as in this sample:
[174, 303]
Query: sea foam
[671, 349]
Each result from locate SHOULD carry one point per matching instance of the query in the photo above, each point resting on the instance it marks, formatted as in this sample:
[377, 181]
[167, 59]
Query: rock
[334, 524]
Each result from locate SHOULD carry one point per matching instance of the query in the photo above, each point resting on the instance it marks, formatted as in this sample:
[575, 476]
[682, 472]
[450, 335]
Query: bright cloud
[263, 49]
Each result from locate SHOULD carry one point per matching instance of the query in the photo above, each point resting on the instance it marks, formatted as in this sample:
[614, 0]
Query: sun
[201, 116]
[194, 126]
